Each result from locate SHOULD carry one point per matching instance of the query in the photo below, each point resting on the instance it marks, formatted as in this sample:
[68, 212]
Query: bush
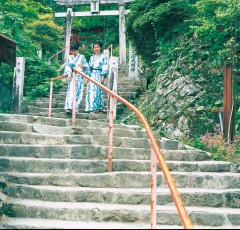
[217, 146]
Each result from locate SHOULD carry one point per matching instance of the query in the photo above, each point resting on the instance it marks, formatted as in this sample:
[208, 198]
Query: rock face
[55, 175]
[178, 103]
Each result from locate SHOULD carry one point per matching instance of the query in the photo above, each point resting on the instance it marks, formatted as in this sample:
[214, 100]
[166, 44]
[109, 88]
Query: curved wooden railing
[58, 52]
[156, 153]
[111, 49]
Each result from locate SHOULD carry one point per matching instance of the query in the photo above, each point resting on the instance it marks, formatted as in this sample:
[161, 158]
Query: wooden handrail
[155, 149]
[58, 53]
[110, 46]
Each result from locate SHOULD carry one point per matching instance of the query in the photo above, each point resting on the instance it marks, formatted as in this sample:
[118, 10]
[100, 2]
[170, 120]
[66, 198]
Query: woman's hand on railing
[102, 80]
[81, 66]
[68, 77]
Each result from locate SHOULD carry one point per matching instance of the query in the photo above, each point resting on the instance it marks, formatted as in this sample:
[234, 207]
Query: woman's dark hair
[74, 47]
[98, 42]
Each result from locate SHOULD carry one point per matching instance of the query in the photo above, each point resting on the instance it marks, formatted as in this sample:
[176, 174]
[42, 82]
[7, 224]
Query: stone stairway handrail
[155, 151]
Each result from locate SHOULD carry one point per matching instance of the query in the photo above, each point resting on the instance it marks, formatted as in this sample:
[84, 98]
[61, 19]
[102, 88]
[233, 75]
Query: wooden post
[122, 36]
[18, 83]
[228, 104]
[67, 34]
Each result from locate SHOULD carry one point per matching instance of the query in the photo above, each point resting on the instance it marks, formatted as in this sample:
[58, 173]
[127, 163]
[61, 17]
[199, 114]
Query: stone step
[30, 223]
[46, 129]
[96, 151]
[125, 95]
[191, 197]
[122, 213]
[57, 106]
[8, 137]
[121, 92]
[35, 138]
[62, 122]
[204, 180]
[41, 165]
[65, 115]
[34, 223]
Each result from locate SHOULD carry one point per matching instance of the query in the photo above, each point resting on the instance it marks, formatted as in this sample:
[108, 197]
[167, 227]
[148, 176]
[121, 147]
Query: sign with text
[7, 50]
[133, 63]
[94, 6]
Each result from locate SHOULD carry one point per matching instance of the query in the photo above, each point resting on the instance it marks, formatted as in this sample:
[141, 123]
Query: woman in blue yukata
[79, 62]
[99, 71]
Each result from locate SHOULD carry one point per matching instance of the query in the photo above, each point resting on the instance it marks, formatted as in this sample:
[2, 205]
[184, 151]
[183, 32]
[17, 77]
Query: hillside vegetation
[184, 42]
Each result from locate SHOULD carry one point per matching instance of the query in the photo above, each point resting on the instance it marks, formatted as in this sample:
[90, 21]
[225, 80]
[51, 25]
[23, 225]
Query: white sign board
[18, 84]
[112, 81]
[133, 63]
[94, 6]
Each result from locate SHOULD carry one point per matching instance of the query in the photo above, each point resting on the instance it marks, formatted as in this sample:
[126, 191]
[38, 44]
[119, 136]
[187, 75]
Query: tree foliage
[192, 38]
[32, 26]
[150, 20]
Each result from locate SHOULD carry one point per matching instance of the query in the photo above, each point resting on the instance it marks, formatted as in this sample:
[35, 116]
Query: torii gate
[95, 12]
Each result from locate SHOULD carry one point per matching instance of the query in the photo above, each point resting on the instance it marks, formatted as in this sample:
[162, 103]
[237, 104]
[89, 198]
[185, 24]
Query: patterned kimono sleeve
[87, 69]
[90, 64]
[67, 69]
[82, 60]
[104, 66]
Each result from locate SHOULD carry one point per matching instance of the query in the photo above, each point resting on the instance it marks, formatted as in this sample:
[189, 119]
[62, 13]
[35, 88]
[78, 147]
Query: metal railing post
[110, 134]
[153, 184]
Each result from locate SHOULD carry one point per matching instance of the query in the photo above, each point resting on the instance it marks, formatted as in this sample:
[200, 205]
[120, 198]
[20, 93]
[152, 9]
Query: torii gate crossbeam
[87, 2]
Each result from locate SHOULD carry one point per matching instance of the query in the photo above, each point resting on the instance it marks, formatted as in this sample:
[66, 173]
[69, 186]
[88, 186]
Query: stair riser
[65, 115]
[96, 166]
[80, 214]
[229, 199]
[30, 119]
[29, 138]
[125, 180]
[97, 152]
[19, 127]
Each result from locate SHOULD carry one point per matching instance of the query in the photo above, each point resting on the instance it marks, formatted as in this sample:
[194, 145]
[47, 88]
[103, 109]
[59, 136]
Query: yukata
[98, 67]
[72, 62]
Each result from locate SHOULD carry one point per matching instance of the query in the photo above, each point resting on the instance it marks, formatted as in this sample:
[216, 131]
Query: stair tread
[64, 224]
[114, 160]
[126, 190]
[107, 206]
[198, 174]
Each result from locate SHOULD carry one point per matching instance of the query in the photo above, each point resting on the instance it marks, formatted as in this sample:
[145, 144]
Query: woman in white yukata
[79, 62]
[99, 71]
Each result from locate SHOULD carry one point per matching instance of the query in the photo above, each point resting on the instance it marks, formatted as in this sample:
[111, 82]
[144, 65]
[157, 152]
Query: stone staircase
[54, 175]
